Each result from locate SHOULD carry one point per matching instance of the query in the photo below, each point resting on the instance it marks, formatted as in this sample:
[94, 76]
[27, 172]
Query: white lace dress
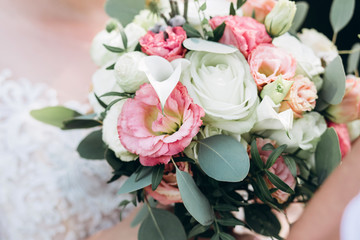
[47, 192]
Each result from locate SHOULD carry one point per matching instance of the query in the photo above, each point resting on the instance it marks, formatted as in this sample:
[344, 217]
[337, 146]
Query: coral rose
[244, 33]
[267, 62]
[301, 97]
[168, 192]
[343, 136]
[167, 44]
[279, 168]
[349, 109]
[145, 131]
[261, 8]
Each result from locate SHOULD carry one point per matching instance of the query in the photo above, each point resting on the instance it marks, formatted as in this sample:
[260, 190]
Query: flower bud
[277, 90]
[280, 19]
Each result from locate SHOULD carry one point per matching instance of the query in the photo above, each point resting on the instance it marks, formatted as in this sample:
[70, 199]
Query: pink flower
[349, 109]
[155, 137]
[301, 97]
[267, 62]
[244, 33]
[279, 168]
[168, 192]
[261, 8]
[166, 44]
[344, 137]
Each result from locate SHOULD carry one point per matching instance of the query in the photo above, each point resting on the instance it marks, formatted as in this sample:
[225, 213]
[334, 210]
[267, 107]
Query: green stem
[334, 38]
[349, 51]
[154, 220]
[186, 6]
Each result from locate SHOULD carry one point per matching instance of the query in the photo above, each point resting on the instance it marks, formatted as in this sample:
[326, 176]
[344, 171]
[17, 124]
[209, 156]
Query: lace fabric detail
[46, 190]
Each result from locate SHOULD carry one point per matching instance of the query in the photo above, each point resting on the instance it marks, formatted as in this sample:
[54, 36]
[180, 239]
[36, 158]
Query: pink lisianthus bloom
[279, 168]
[244, 33]
[168, 192]
[301, 97]
[261, 8]
[167, 44]
[343, 136]
[349, 109]
[145, 131]
[268, 62]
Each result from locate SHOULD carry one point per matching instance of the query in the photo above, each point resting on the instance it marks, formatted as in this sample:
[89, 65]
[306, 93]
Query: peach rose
[167, 44]
[343, 136]
[244, 33]
[268, 62]
[168, 192]
[144, 130]
[301, 97]
[349, 109]
[279, 168]
[261, 8]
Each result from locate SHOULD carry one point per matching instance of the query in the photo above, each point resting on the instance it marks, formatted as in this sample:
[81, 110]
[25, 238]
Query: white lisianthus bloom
[127, 72]
[305, 134]
[354, 129]
[101, 56]
[319, 43]
[280, 19]
[111, 136]
[146, 19]
[223, 86]
[103, 81]
[308, 64]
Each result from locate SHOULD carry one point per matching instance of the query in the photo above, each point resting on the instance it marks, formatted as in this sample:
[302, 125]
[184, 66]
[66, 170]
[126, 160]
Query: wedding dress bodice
[46, 190]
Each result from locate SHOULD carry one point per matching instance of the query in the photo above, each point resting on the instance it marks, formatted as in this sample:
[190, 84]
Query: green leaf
[216, 236]
[240, 3]
[157, 176]
[54, 115]
[226, 236]
[124, 39]
[195, 202]
[268, 147]
[124, 10]
[92, 146]
[327, 155]
[274, 156]
[262, 190]
[353, 60]
[114, 49]
[291, 164]
[232, 9]
[229, 222]
[222, 207]
[142, 172]
[116, 94]
[279, 183]
[203, 7]
[161, 225]
[113, 103]
[191, 32]
[333, 89]
[100, 101]
[198, 229]
[111, 67]
[255, 156]
[143, 213]
[302, 9]
[260, 218]
[113, 161]
[132, 185]
[223, 158]
[218, 32]
[86, 121]
[341, 13]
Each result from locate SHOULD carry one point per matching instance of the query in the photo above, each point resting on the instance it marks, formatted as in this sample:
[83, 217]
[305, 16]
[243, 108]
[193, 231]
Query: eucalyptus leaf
[54, 115]
[353, 60]
[302, 9]
[132, 185]
[143, 172]
[195, 202]
[327, 155]
[333, 89]
[92, 147]
[341, 13]
[280, 184]
[161, 225]
[143, 213]
[223, 158]
[203, 7]
[124, 10]
[191, 32]
[157, 176]
[86, 121]
[201, 45]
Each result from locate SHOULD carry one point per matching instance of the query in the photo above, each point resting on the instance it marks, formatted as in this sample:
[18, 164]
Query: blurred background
[49, 40]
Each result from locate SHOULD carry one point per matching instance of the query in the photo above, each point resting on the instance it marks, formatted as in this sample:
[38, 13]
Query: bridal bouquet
[219, 109]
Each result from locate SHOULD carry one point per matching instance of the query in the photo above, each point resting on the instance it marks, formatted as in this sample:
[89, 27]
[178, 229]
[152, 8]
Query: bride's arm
[322, 217]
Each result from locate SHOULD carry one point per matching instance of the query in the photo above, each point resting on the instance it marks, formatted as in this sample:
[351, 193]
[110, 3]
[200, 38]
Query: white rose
[101, 56]
[354, 129]
[103, 81]
[308, 64]
[305, 134]
[223, 86]
[319, 43]
[146, 19]
[127, 72]
[111, 136]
